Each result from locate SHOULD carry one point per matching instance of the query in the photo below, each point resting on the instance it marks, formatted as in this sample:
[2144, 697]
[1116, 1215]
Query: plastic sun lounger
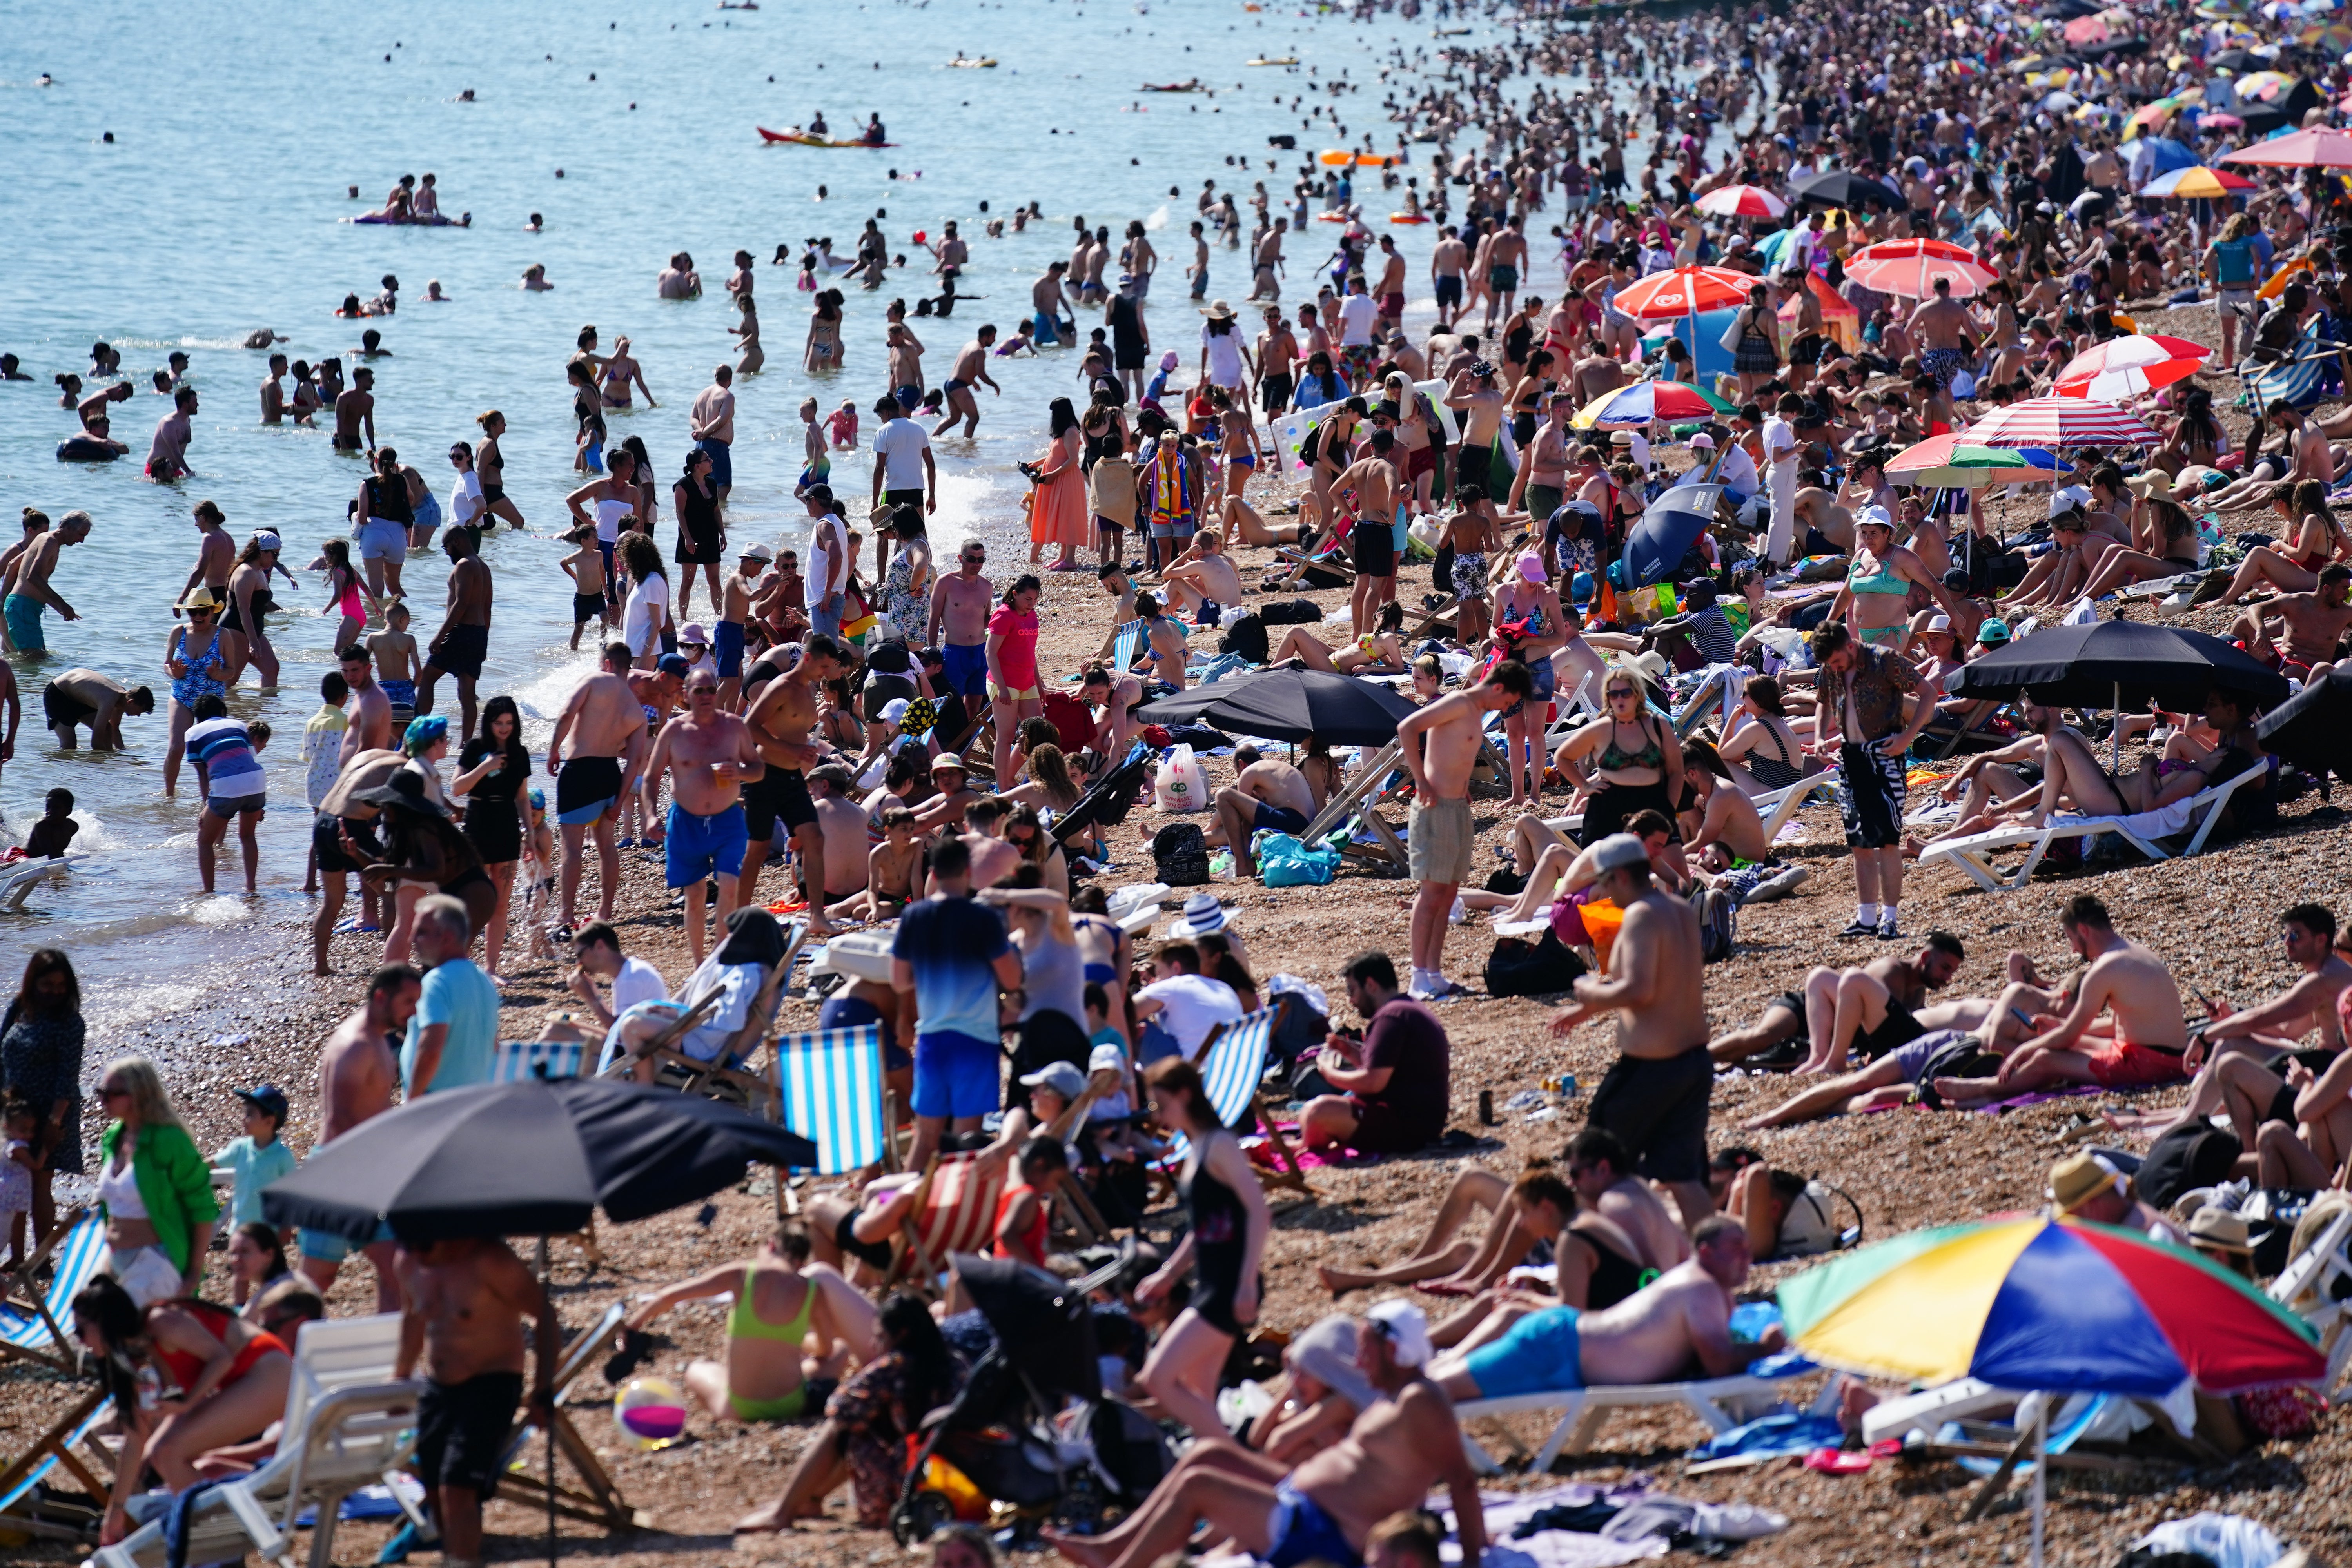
[348, 1425]
[33, 1321]
[1974, 853]
[18, 878]
[1722, 1403]
[2316, 1285]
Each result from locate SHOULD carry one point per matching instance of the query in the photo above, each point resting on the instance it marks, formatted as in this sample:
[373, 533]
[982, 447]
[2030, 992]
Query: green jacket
[174, 1181]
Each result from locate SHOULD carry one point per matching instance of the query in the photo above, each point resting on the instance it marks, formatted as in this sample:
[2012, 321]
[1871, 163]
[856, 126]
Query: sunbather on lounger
[2126, 980]
[2071, 777]
[1244, 525]
[1535, 1209]
[1380, 652]
[1653, 1336]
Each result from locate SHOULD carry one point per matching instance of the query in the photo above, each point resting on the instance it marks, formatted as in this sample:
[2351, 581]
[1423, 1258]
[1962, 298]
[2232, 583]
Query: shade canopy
[2126, 662]
[1290, 705]
[1845, 188]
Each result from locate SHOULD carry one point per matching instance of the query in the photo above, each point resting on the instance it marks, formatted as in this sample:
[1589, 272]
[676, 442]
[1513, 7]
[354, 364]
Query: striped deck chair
[21, 1506]
[516, 1060]
[1124, 644]
[32, 1320]
[954, 1210]
[1233, 1067]
[2302, 379]
[830, 1081]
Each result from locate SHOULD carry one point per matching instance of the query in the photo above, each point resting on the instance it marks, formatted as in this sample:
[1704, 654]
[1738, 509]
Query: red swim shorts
[2126, 1066]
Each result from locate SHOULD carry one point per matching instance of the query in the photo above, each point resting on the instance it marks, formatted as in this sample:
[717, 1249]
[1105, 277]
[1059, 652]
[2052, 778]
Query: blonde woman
[154, 1188]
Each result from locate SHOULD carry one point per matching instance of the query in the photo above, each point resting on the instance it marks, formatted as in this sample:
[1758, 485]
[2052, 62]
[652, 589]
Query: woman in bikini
[2318, 540]
[1623, 759]
[791, 1331]
[822, 349]
[1531, 627]
[490, 464]
[2165, 534]
[1378, 652]
[622, 372]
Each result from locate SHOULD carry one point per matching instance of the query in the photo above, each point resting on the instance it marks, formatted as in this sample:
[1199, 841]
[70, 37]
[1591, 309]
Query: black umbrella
[2116, 664]
[1657, 544]
[2236, 60]
[533, 1158]
[2067, 10]
[1289, 705]
[1845, 188]
[2313, 729]
[2262, 119]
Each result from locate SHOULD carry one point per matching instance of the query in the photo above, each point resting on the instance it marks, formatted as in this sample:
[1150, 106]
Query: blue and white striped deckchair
[32, 1320]
[1124, 644]
[53, 1448]
[1233, 1065]
[516, 1060]
[2301, 379]
[831, 1081]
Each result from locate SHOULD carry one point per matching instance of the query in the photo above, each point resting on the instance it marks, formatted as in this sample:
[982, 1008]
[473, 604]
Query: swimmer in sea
[273, 395]
[433, 295]
[970, 368]
[620, 373]
[490, 464]
[9, 371]
[534, 277]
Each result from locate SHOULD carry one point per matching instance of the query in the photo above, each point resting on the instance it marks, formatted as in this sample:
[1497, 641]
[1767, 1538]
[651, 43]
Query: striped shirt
[223, 749]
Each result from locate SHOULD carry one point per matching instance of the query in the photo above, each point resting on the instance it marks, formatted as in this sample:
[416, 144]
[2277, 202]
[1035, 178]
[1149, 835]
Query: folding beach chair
[1974, 853]
[1124, 643]
[2316, 1286]
[728, 1074]
[33, 1321]
[2302, 378]
[831, 1088]
[955, 1206]
[1233, 1073]
[348, 1425]
[595, 1498]
[1722, 1403]
[24, 1502]
[514, 1062]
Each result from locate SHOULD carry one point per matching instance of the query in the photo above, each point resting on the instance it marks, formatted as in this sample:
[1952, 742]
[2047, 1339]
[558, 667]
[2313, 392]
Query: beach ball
[918, 236]
[650, 1413]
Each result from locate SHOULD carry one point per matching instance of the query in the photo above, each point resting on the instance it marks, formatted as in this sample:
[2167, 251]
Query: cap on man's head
[1618, 851]
[673, 663]
[1063, 1078]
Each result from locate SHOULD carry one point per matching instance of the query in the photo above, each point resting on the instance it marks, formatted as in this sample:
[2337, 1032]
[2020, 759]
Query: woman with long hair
[243, 636]
[1011, 651]
[701, 531]
[822, 349]
[41, 1037]
[153, 1187]
[1047, 782]
[256, 1260]
[493, 771]
[1058, 512]
[1223, 1250]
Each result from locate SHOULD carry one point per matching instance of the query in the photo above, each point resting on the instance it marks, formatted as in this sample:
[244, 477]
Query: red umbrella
[2315, 149]
[1686, 291]
[2061, 422]
[2087, 30]
[1742, 201]
[1911, 267]
[2122, 367]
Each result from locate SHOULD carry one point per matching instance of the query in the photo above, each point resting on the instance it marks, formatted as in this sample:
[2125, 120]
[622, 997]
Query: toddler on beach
[18, 1160]
[843, 426]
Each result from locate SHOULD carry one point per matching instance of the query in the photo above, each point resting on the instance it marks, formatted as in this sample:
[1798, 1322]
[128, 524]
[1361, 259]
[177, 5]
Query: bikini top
[743, 1323]
[1883, 581]
[1652, 755]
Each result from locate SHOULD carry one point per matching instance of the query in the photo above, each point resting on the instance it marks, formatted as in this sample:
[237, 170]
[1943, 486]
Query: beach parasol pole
[2041, 1474]
[2116, 735]
[547, 1283]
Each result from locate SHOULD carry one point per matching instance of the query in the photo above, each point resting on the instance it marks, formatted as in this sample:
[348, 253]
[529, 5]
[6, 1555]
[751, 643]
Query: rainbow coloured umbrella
[2029, 1302]
[2194, 181]
[1646, 400]
[1945, 462]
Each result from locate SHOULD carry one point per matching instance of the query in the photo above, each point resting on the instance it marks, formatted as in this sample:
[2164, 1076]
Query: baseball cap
[1106, 1058]
[1619, 850]
[894, 710]
[1063, 1078]
[1993, 632]
[267, 1098]
[673, 663]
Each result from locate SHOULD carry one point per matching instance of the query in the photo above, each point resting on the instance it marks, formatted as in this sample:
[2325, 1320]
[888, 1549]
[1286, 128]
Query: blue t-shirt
[255, 1166]
[462, 996]
[953, 945]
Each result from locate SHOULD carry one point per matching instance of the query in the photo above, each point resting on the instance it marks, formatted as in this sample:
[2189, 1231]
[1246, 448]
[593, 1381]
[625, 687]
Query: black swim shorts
[462, 651]
[585, 787]
[779, 795]
[461, 1430]
[1659, 1110]
[60, 706]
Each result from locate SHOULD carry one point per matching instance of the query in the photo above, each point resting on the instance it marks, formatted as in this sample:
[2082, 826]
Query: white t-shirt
[1780, 442]
[1739, 472]
[1191, 1005]
[638, 982]
[829, 564]
[1357, 312]
[900, 444]
[648, 612]
[465, 500]
[1224, 356]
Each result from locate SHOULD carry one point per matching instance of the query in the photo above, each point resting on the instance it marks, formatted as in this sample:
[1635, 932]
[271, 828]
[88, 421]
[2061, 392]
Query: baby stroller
[1109, 798]
[1002, 1431]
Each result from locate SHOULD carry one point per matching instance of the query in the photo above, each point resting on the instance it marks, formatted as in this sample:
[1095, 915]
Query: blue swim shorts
[965, 666]
[722, 466]
[955, 1074]
[1540, 1355]
[1298, 1530]
[726, 647]
[698, 847]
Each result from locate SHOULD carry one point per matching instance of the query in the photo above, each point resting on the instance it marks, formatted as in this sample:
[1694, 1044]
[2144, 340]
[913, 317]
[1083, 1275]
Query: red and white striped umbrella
[2061, 422]
[1684, 292]
[1742, 201]
[2125, 367]
[1911, 267]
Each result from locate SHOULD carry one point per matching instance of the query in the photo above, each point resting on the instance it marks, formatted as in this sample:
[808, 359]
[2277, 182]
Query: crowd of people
[897, 744]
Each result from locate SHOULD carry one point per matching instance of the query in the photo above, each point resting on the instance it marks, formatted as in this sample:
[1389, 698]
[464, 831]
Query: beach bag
[1519, 967]
[1246, 636]
[1290, 613]
[2193, 1153]
[1729, 342]
[1181, 785]
[1283, 862]
[1717, 914]
[1180, 855]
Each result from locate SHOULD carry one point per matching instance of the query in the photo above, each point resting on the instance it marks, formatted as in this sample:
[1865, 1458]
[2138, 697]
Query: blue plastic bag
[1283, 862]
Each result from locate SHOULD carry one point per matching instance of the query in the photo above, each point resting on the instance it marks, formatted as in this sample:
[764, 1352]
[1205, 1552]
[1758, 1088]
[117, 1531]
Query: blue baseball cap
[673, 663]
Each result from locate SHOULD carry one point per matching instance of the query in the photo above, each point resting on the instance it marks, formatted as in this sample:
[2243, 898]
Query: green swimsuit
[743, 1323]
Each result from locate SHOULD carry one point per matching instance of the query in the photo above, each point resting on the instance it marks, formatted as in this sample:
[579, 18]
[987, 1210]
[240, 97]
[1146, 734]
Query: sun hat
[1203, 915]
[949, 759]
[755, 553]
[2153, 485]
[1619, 850]
[2219, 1229]
[2077, 1179]
[1106, 1057]
[692, 635]
[202, 598]
[1219, 310]
[268, 539]
[1939, 623]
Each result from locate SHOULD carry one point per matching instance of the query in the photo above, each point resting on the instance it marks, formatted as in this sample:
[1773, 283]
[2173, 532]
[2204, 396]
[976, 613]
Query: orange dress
[1058, 514]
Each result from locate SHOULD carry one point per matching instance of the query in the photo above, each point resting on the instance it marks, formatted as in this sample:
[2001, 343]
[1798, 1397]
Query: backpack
[1963, 1056]
[1519, 967]
[1717, 923]
[1290, 613]
[1180, 855]
[1246, 636]
[2194, 1154]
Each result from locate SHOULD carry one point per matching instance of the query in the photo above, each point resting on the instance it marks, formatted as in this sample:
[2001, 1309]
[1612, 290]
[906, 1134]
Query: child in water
[843, 426]
[395, 652]
[818, 467]
[585, 567]
[55, 831]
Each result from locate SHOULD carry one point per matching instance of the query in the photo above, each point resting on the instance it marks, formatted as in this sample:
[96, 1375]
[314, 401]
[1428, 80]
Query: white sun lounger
[1974, 853]
[18, 878]
[2316, 1286]
[1722, 1403]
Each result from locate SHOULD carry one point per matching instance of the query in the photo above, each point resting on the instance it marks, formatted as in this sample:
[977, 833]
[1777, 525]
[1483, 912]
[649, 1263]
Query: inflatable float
[803, 139]
[1341, 158]
[985, 63]
[1277, 60]
[86, 449]
[1408, 217]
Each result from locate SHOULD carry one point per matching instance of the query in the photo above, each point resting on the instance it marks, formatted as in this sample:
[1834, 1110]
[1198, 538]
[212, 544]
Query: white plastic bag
[1181, 786]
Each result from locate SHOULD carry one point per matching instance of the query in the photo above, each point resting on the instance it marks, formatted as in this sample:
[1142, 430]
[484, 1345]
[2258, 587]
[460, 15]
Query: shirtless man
[961, 602]
[463, 642]
[1719, 812]
[1441, 744]
[2150, 1034]
[1946, 335]
[1445, 264]
[461, 1319]
[216, 553]
[1399, 1447]
[1877, 1007]
[1507, 258]
[80, 696]
[367, 711]
[970, 369]
[1389, 291]
[599, 743]
[841, 820]
[167, 456]
[1265, 281]
[2313, 624]
[780, 718]
[1473, 388]
[1371, 479]
[709, 754]
[735, 593]
[1266, 794]
[1602, 1174]
[1654, 1096]
[273, 392]
[1202, 574]
[711, 422]
[358, 1075]
[1277, 368]
[30, 593]
[1650, 1337]
[1050, 304]
[355, 412]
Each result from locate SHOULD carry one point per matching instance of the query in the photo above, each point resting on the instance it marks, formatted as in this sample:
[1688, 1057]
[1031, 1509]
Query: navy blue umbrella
[1657, 544]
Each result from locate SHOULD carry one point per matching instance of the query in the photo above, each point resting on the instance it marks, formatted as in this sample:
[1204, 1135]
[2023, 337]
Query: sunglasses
[112, 1092]
[1620, 691]
[193, 613]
